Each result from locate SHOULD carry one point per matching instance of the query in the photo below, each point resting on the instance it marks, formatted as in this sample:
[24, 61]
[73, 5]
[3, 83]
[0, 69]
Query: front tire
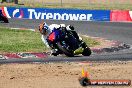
[87, 51]
[64, 50]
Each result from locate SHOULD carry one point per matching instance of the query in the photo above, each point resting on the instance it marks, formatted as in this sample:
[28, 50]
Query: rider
[45, 30]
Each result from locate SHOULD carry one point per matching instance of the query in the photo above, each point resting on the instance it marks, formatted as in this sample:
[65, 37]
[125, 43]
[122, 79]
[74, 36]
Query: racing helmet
[43, 28]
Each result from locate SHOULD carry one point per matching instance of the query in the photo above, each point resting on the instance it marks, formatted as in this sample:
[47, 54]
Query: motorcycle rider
[45, 30]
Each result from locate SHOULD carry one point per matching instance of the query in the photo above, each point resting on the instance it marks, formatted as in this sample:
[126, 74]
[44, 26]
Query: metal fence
[77, 1]
[86, 4]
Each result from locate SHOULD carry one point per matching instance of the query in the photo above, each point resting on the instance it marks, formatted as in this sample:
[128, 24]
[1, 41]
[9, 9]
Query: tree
[3, 1]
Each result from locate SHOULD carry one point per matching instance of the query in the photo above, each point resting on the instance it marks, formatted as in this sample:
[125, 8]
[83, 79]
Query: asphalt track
[117, 31]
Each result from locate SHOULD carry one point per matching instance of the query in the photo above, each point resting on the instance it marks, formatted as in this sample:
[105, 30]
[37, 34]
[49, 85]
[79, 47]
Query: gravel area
[61, 75]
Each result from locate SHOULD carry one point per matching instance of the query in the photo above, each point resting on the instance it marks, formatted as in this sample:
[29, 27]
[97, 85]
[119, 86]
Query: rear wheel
[65, 50]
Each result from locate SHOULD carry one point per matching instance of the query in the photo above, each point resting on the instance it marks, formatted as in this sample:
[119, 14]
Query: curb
[111, 49]
[46, 54]
[23, 55]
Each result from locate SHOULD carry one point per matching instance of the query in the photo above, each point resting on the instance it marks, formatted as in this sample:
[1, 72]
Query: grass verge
[20, 41]
[90, 6]
[13, 41]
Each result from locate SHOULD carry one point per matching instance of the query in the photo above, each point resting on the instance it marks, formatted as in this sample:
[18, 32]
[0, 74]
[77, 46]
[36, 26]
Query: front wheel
[65, 50]
[87, 51]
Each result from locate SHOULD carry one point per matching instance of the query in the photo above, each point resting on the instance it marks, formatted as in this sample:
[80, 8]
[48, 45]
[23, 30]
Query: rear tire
[87, 51]
[64, 50]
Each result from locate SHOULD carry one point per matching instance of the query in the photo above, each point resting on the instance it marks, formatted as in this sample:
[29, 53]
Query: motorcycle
[66, 43]
[3, 18]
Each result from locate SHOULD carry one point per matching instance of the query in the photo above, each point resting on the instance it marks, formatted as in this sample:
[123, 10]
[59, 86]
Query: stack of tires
[3, 18]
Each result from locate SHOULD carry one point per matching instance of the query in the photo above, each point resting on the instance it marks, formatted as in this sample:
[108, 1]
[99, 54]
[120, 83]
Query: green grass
[96, 6]
[90, 41]
[20, 41]
[13, 41]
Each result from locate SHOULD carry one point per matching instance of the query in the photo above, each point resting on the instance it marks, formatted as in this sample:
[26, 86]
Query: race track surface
[110, 30]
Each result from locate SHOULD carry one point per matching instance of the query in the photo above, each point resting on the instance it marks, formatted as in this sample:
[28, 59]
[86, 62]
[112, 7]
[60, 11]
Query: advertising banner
[57, 14]
[121, 15]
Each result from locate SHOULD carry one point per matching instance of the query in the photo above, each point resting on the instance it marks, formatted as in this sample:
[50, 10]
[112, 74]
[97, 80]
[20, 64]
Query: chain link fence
[86, 4]
[73, 1]
[77, 1]
[9, 1]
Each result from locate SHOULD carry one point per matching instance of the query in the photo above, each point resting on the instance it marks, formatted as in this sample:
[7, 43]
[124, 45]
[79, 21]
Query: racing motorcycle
[3, 18]
[66, 43]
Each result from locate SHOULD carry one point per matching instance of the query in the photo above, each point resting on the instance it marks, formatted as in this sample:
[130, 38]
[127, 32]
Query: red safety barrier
[3, 12]
[120, 15]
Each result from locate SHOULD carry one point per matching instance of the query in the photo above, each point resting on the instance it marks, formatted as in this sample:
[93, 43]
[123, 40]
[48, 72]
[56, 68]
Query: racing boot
[87, 51]
[79, 51]
[82, 47]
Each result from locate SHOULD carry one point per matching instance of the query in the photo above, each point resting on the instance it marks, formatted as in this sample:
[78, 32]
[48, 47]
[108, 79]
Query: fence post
[61, 3]
[16, 1]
